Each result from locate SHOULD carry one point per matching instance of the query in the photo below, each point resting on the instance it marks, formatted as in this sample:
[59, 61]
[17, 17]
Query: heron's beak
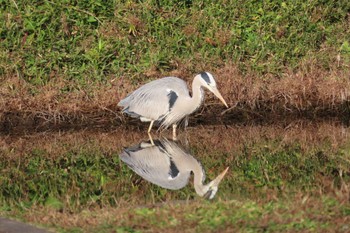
[217, 94]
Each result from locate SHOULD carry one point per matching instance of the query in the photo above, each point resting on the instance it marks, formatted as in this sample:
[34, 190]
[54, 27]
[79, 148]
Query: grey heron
[167, 165]
[167, 100]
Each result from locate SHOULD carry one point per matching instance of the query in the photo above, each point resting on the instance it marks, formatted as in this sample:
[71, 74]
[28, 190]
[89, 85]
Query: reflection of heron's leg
[150, 127]
[151, 139]
[186, 122]
[174, 132]
[186, 137]
[186, 143]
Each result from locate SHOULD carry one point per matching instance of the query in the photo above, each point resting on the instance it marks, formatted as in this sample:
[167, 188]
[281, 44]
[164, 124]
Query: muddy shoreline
[23, 122]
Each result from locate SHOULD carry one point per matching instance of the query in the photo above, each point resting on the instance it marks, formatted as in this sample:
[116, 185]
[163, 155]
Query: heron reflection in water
[167, 165]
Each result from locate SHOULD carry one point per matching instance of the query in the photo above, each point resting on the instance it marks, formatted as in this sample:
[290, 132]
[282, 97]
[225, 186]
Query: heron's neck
[198, 174]
[197, 94]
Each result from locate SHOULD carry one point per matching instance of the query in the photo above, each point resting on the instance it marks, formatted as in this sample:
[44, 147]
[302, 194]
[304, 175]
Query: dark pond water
[121, 166]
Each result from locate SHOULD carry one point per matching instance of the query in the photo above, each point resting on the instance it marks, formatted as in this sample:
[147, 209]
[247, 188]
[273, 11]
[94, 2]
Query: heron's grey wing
[155, 99]
[155, 165]
[188, 162]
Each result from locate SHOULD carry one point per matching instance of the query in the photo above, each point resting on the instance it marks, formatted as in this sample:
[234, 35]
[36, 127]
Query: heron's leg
[150, 127]
[174, 132]
[151, 139]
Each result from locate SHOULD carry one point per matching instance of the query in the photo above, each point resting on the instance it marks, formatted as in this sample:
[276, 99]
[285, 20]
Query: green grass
[95, 41]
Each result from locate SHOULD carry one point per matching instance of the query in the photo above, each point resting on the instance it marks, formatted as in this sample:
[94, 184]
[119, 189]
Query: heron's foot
[174, 132]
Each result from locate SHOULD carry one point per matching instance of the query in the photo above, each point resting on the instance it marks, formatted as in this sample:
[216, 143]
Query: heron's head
[207, 80]
[209, 190]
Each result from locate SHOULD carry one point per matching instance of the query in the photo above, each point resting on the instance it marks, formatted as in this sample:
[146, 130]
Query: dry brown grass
[294, 93]
[316, 94]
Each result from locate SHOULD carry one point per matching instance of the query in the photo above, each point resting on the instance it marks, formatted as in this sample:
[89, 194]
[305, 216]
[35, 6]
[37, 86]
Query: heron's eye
[205, 77]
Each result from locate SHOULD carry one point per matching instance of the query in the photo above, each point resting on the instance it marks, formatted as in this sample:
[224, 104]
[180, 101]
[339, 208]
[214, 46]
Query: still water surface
[121, 166]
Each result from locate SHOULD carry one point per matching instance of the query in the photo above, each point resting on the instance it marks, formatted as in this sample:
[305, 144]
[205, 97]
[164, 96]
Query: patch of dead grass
[295, 92]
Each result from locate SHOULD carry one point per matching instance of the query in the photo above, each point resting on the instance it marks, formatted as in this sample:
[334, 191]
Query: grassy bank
[70, 62]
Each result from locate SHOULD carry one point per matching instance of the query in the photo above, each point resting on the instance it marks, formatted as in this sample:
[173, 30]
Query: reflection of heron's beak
[218, 179]
[208, 195]
[214, 184]
[217, 94]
